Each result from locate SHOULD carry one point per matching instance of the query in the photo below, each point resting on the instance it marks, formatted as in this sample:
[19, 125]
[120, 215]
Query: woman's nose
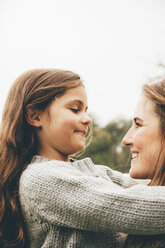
[127, 139]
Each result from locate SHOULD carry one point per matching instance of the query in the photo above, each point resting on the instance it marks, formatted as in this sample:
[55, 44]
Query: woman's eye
[138, 124]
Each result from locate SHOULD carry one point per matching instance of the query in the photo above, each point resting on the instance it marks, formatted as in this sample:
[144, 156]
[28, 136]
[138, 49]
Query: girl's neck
[54, 155]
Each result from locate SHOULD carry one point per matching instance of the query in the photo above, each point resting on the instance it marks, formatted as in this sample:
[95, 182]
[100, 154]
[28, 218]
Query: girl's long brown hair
[156, 93]
[36, 87]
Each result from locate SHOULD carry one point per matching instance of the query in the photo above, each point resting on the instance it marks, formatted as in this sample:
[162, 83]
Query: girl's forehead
[74, 94]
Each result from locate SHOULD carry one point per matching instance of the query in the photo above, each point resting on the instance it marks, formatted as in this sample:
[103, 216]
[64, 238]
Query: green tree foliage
[106, 147]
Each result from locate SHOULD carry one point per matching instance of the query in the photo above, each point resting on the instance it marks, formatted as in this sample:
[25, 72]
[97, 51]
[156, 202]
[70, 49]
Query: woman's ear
[32, 116]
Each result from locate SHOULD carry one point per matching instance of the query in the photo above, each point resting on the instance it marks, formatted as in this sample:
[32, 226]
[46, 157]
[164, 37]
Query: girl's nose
[86, 120]
[127, 139]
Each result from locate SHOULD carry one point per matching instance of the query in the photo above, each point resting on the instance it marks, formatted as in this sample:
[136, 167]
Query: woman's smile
[134, 155]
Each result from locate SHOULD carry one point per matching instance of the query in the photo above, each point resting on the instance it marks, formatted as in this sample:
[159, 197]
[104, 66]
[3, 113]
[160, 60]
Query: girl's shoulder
[41, 168]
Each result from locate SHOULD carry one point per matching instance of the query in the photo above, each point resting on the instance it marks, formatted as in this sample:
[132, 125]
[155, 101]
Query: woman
[46, 198]
[146, 140]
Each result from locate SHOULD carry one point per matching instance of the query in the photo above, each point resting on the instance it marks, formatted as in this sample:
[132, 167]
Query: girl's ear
[32, 116]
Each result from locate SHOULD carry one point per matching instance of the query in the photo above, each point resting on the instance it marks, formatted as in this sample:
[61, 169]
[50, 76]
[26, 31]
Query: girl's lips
[81, 132]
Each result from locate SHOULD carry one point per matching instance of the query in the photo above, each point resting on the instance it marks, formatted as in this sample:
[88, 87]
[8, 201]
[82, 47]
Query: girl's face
[144, 140]
[64, 125]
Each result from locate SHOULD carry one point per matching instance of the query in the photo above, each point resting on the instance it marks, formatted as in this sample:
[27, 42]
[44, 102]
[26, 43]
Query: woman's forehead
[145, 109]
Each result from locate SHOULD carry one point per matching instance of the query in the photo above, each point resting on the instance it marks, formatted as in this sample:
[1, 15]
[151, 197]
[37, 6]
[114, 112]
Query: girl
[46, 198]
[146, 139]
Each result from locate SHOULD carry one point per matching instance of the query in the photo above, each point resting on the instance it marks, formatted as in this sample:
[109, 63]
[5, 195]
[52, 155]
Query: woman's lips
[134, 154]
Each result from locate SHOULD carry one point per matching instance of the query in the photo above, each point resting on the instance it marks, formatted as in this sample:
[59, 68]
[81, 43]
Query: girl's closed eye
[75, 110]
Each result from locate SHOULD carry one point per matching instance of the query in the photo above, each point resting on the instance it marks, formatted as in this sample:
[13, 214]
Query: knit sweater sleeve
[122, 179]
[64, 196]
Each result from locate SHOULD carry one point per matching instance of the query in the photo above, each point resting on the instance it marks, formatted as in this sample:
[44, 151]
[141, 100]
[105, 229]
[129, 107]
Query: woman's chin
[134, 173]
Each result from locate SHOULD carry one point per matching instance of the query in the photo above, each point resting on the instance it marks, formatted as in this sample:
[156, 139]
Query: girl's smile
[81, 132]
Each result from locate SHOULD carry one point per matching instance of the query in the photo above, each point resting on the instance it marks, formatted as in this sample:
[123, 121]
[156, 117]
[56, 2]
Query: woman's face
[144, 140]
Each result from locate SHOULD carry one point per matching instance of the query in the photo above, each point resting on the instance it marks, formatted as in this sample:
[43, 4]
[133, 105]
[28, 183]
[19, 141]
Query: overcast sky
[114, 45]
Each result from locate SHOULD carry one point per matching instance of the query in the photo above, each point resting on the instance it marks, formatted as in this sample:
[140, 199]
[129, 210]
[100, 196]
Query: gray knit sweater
[83, 205]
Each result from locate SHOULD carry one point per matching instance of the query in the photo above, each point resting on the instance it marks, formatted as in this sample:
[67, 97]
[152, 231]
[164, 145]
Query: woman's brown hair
[155, 92]
[37, 87]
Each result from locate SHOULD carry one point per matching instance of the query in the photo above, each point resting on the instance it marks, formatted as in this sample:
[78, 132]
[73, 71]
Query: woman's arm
[65, 196]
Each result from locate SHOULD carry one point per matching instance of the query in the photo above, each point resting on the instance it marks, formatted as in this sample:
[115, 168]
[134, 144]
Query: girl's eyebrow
[76, 101]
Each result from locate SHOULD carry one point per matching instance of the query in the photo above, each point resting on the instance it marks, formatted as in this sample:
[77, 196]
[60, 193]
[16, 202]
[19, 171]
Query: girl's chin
[79, 149]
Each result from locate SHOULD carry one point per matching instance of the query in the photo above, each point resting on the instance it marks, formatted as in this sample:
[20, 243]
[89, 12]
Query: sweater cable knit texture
[82, 205]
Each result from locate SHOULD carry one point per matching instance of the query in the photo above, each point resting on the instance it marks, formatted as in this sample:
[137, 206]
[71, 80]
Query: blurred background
[115, 46]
